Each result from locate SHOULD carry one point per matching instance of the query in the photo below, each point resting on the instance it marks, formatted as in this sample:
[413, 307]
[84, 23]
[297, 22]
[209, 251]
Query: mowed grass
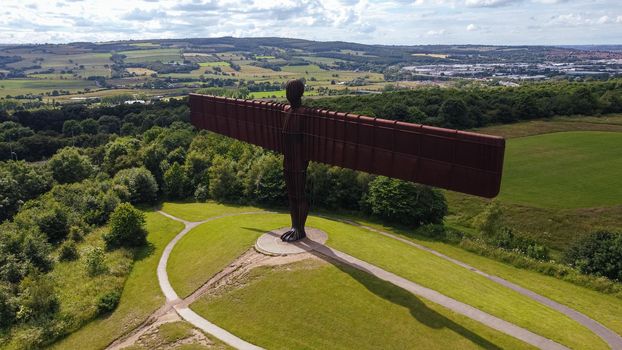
[212, 246]
[603, 308]
[456, 282]
[317, 305]
[203, 211]
[564, 170]
[141, 294]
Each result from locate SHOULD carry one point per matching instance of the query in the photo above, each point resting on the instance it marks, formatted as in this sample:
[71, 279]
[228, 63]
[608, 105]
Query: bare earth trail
[176, 307]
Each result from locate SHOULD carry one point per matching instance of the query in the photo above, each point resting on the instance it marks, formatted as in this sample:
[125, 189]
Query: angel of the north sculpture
[451, 159]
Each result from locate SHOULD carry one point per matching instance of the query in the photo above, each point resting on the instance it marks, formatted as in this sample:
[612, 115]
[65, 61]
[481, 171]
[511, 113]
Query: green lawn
[141, 294]
[604, 308]
[212, 246]
[564, 170]
[202, 211]
[315, 305]
[456, 282]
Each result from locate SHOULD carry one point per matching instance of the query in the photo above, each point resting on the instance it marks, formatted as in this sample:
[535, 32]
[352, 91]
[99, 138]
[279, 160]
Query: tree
[127, 227]
[598, 254]
[19, 182]
[224, 184]
[68, 166]
[454, 114]
[264, 182]
[89, 126]
[176, 182]
[72, 128]
[122, 153]
[405, 202]
[140, 183]
[49, 216]
[109, 124]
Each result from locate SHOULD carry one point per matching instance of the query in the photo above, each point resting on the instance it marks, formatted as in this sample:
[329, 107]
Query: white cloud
[435, 32]
[367, 21]
[490, 3]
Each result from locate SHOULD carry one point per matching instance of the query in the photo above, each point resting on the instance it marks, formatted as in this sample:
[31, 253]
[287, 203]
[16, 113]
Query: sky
[389, 22]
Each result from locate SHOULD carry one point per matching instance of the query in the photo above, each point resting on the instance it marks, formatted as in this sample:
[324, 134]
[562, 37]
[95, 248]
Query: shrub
[37, 298]
[405, 202]
[201, 194]
[50, 217]
[598, 254]
[8, 308]
[141, 184]
[108, 302]
[68, 166]
[126, 227]
[68, 251]
[95, 262]
[490, 221]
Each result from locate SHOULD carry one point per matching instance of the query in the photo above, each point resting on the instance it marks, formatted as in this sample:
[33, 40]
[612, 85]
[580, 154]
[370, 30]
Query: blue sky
[547, 22]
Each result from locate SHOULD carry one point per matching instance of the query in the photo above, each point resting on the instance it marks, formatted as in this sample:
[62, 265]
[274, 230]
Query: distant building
[131, 102]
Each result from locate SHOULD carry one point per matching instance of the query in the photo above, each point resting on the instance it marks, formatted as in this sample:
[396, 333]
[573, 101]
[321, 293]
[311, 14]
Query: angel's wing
[456, 160]
[256, 122]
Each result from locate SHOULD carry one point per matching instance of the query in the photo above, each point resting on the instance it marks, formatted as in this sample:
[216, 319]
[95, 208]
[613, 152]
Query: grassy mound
[315, 305]
[211, 246]
[564, 170]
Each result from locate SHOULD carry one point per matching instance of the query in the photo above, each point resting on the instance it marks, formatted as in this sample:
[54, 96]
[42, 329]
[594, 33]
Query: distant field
[435, 55]
[24, 86]
[164, 55]
[265, 94]
[564, 170]
[214, 64]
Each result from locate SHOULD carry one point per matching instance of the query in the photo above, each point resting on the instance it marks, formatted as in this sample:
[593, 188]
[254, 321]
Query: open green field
[152, 55]
[318, 305]
[141, 293]
[564, 170]
[560, 179]
[35, 86]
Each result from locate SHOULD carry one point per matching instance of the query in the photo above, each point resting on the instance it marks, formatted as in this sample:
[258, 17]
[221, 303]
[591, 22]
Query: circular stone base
[270, 243]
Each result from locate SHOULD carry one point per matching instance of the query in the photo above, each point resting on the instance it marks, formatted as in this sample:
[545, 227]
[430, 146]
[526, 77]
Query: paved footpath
[614, 340]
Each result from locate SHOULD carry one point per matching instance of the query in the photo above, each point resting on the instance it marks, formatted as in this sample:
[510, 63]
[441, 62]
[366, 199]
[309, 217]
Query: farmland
[261, 66]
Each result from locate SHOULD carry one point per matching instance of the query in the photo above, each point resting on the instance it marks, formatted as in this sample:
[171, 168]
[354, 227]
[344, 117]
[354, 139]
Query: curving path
[613, 339]
[183, 310]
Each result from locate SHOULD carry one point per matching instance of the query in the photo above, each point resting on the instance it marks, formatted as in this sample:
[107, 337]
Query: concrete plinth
[270, 243]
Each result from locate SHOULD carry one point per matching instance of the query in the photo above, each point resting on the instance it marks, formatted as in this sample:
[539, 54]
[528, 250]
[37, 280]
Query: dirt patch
[235, 275]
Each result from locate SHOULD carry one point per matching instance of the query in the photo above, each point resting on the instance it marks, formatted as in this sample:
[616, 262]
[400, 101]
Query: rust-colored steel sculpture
[451, 159]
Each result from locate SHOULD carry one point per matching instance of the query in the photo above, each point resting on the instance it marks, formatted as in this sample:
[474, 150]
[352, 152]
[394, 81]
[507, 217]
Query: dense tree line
[476, 107]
